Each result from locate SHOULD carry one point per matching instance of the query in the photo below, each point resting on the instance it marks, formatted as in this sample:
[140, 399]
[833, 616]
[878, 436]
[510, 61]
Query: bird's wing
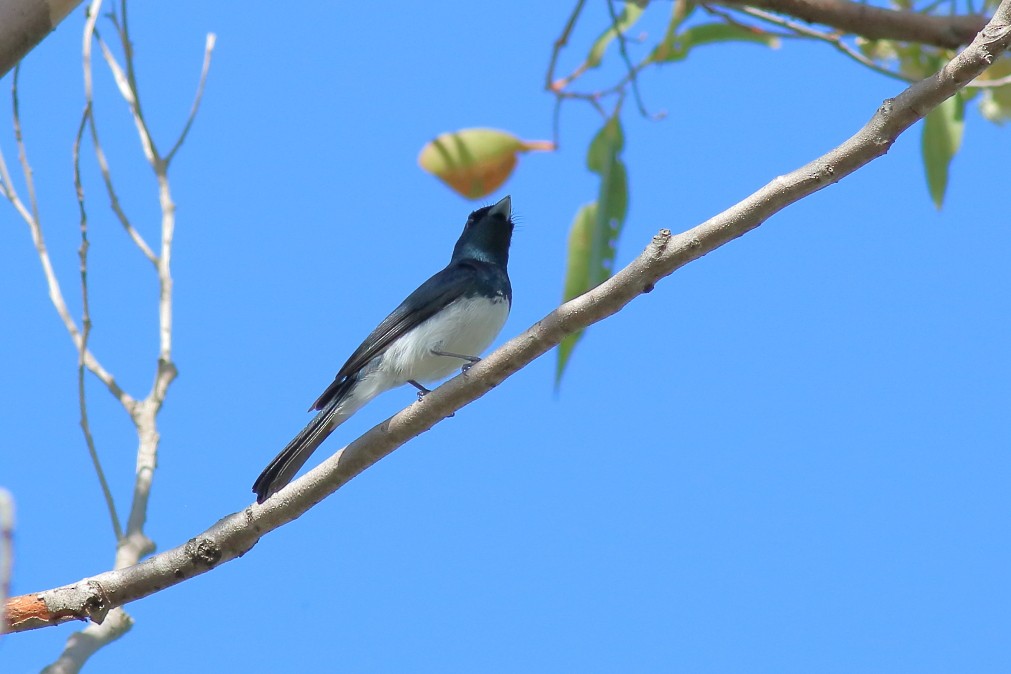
[431, 297]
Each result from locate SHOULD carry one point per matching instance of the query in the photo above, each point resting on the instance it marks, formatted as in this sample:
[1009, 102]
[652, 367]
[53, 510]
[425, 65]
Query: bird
[443, 325]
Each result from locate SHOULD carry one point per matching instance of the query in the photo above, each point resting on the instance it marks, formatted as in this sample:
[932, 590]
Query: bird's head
[487, 234]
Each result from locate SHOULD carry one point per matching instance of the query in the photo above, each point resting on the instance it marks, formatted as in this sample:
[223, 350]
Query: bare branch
[632, 69]
[129, 95]
[82, 645]
[876, 23]
[85, 307]
[834, 39]
[208, 48]
[103, 166]
[234, 535]
[560, 42]
[55, 293]
[86, 331]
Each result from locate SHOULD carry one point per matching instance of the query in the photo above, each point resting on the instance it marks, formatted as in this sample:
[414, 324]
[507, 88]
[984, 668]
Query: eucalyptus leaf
[594, 235]
[941, 139]
[577, 275]
[676, 46]
[626, 20]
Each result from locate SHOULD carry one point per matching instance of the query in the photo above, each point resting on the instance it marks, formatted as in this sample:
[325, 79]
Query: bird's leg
[422, 391]
[470, 359]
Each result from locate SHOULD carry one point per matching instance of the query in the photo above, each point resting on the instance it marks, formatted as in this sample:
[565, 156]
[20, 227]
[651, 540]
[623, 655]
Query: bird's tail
[282, 469]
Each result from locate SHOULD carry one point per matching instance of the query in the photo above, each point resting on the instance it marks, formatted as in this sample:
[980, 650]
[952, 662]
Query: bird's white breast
[466, 326]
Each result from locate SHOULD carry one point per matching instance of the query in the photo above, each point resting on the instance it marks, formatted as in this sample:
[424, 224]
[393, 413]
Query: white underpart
[466, 327]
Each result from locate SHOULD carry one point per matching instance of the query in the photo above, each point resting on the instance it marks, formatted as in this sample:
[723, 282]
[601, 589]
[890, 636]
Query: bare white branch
[82, 645]
[55, 293]
[208, 48]
[132, 543]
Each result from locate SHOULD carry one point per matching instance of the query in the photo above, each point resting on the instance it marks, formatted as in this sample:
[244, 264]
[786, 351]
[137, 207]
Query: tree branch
[876, 23]
[25, 23]
[132, 543]
[93, 598]
[35, 227]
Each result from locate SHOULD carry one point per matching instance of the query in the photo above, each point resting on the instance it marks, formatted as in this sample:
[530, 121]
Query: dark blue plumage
[450, 319]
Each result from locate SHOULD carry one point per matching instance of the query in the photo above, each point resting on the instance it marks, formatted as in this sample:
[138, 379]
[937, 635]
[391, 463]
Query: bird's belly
[465, 327]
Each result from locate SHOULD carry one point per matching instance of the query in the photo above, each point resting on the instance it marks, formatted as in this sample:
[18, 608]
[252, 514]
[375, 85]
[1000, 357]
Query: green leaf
[609, 141]
[942, 136]
[626, 20]
[577, 275]
[675, 47]
[597, 226]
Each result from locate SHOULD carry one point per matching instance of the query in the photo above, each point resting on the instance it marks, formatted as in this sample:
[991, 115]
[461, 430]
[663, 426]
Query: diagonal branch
[876, 23]
[94, 597]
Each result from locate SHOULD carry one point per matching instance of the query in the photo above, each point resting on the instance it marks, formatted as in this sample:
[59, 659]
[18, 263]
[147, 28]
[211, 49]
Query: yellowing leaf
[475, 162]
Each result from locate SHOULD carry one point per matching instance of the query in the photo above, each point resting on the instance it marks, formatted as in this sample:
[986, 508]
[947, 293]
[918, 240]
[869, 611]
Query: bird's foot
[422, 391]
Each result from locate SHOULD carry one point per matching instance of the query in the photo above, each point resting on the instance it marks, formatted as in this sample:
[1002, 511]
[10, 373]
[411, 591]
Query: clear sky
[793, 456]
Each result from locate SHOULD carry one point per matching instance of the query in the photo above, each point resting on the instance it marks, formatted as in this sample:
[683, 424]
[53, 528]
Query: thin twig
[26, 168]
[103, 164]
[55, 293]
[837, 41]
[117, 208]
[632, 69]
[119, 75]
[208, 48]
[728, 17]
[560, 43]
[834, 39]
[117, 529]
[82, 348]
[150, 149]
[549, 77]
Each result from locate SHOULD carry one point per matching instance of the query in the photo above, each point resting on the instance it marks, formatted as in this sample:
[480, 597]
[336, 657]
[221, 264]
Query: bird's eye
[477, 215]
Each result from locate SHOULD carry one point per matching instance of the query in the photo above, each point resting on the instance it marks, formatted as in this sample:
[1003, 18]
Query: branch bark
[93, 598]
[875, 23]
[25, 23]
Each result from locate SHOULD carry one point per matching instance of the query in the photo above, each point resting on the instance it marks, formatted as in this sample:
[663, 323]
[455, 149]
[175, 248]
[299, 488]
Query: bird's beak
[503, 208]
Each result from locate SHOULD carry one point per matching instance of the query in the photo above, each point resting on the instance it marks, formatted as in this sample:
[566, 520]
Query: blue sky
[791, 457]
